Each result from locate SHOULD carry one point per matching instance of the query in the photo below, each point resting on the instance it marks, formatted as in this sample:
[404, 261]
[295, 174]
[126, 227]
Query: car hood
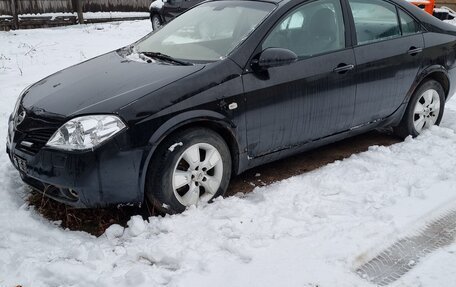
[101, 85]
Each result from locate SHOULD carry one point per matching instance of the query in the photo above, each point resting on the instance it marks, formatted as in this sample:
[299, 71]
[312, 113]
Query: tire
[171, 177]
[156, 21]
[424, 110]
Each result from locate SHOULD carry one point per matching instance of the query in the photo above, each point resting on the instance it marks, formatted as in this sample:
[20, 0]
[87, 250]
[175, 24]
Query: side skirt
[246, 162]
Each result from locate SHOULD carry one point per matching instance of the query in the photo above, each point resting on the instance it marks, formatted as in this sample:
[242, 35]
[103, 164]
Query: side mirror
[274, 57]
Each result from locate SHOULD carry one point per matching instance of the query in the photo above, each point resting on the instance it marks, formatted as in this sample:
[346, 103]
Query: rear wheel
[424, 110]
[189, 168]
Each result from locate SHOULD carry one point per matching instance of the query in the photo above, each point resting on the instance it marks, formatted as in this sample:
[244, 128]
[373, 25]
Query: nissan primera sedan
[224, 87]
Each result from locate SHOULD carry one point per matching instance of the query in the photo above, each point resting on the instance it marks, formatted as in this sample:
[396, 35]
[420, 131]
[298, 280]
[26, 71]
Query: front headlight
[86, 132]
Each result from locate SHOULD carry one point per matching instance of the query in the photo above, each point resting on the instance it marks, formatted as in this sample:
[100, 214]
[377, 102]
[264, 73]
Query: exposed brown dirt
[95, 221]
[308, 161]
[91, 220]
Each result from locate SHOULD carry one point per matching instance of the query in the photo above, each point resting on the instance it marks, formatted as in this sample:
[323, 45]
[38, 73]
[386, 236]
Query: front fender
[173, 124]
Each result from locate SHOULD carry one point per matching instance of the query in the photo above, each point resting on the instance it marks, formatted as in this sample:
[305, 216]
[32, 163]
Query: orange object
[427, 5]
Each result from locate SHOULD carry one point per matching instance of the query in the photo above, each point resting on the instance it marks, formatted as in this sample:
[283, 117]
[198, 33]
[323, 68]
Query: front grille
[38, 138]
[36, 130]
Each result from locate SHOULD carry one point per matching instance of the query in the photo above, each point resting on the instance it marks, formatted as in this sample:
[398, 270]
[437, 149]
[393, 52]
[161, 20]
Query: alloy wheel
[427, 110]
[156, 22]
[197, 174]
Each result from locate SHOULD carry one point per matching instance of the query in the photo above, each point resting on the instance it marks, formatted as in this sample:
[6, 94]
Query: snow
[87, 15]
[157, 4]
[51, 15]
[172, 147]
[308, 230]
[109, 15]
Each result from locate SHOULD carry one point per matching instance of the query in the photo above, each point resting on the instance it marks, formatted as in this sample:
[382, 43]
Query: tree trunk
[77, 6]
[15, 14]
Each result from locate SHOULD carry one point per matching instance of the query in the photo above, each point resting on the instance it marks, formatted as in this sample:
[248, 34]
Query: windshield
[208, 32]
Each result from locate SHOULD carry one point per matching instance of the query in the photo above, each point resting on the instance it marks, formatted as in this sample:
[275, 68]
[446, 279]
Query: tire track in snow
[400, 257]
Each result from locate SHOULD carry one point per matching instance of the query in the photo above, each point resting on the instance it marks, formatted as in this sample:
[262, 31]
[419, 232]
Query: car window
[408, 24]
[190, 32]
[295, 21]
[207, 32]
[310, 29]
[375, 20]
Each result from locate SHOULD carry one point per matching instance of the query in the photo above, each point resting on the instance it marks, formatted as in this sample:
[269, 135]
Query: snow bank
[109, 15]
[308, 230]
[87, 15]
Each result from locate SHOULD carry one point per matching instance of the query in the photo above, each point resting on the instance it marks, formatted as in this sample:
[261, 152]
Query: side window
[310, 29]
[375, 20]
[408, 24]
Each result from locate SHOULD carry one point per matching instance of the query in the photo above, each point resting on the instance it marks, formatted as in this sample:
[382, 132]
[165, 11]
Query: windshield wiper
[167, 58]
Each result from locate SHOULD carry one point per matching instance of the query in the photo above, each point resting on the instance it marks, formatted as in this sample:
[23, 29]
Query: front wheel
[424, 110]
[156, 21]
[190, 167]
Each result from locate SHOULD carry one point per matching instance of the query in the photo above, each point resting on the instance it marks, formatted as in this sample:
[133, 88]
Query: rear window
[408, 24]
[375, 20]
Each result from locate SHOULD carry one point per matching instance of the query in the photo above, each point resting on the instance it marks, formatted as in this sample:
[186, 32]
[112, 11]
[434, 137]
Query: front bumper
[108, 175]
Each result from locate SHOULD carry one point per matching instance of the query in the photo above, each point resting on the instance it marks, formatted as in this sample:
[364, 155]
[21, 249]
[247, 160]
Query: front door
[312, 98]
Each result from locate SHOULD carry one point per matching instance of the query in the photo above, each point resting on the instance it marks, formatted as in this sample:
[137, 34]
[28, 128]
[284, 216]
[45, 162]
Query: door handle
[414, 51]
[343, 68]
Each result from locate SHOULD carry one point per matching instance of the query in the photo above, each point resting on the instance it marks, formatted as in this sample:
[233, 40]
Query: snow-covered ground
[309, 230]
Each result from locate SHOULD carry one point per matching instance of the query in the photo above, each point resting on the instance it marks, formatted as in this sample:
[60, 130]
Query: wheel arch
[197, 118]
[437, 73]
[441, 78]
[156, 11]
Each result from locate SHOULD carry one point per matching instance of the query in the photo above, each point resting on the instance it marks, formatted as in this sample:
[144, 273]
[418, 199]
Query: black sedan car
[163, 11]
[224, 87]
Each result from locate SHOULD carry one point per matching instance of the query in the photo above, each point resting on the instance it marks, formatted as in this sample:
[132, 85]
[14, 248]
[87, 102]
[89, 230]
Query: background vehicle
[227, 86]
[443, 13]
[163, 11]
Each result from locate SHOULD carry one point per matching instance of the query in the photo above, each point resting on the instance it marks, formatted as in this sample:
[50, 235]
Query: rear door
[388, 57]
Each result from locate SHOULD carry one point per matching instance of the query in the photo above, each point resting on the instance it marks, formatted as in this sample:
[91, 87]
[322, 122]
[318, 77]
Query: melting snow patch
[171, 148]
